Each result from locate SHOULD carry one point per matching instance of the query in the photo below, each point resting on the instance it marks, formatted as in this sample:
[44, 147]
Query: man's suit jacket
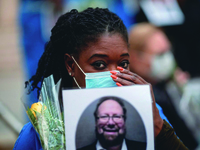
[131, 145]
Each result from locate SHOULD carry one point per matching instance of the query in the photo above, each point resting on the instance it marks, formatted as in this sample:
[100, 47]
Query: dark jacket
[130, 145]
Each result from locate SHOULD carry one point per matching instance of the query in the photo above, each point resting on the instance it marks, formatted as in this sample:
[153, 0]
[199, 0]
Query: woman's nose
[112, 67]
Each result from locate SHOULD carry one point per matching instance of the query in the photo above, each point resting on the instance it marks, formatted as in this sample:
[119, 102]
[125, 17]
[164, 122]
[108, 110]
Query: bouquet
[47, 118]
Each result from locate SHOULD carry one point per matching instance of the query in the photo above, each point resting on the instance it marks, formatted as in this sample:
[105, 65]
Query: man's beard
[109, 143]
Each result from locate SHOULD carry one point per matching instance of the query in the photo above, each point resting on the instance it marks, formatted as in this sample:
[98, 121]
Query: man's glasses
[115, 118]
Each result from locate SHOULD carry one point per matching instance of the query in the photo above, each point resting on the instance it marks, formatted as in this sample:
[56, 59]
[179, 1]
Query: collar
[99, 147]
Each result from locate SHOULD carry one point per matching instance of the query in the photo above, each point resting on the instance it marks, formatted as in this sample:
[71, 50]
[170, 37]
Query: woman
[94, 40]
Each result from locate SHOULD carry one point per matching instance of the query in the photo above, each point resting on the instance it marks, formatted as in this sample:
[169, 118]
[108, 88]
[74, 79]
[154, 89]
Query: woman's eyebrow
[98, 55]
[125, 54]
[104, 55]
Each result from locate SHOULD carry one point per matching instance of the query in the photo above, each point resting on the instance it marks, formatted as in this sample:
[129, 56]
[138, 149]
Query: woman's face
[106, 54]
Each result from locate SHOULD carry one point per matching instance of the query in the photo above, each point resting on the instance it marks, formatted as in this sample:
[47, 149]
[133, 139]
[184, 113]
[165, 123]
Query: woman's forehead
[106, 44]
[110, 106]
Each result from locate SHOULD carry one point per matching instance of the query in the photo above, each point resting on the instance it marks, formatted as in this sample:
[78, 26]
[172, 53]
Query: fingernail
[120, 68]
[114, 77]
[113, 72]
[118, 84]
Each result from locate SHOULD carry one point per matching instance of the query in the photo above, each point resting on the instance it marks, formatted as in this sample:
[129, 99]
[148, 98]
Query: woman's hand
[124, 78]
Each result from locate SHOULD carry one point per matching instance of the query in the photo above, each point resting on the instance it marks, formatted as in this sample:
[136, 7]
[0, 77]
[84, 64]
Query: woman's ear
[69, 64]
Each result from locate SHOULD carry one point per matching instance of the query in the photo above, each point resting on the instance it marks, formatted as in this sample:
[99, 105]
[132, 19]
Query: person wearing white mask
[152, 58]
[150, 53]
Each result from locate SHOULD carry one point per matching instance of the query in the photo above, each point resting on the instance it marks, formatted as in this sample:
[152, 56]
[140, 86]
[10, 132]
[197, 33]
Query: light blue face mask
[97, 79]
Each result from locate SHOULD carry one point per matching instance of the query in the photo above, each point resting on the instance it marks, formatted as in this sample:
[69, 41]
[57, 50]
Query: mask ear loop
[76, 83]
[81, 71]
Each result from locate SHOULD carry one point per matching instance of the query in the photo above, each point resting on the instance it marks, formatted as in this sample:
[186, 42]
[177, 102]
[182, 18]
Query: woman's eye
[99, 65]
[124, 64]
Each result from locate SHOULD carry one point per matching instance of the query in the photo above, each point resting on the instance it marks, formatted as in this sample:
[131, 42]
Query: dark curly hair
[72, 33]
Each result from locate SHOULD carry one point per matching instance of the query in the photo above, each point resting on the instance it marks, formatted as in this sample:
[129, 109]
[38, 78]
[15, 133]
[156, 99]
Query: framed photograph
[104, 116]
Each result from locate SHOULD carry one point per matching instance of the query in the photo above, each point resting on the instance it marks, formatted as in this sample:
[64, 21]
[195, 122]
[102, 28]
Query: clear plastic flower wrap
[46, 116]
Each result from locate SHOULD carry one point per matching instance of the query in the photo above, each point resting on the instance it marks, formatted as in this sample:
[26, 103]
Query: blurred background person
[151, 57]
[185, 39]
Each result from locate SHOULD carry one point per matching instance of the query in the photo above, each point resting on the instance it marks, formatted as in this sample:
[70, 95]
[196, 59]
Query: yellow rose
[36, 107]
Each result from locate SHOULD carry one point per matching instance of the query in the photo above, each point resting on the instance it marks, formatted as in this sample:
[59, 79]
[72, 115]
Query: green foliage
[49, 126]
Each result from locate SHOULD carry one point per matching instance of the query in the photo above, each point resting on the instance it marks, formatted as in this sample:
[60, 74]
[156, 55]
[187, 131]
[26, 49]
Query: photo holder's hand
[158, 121]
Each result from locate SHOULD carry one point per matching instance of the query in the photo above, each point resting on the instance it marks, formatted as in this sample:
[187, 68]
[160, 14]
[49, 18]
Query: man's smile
[110, 130]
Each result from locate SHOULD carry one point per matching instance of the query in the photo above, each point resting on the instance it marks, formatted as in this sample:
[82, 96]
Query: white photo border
[76, 101]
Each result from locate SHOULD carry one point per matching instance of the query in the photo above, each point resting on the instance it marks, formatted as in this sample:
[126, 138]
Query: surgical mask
[163, 66]
[97, 79]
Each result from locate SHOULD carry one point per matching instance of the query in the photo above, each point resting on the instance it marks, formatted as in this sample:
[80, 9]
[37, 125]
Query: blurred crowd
[163, 50]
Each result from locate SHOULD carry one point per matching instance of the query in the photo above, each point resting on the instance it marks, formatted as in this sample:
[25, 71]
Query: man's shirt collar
[99, 147]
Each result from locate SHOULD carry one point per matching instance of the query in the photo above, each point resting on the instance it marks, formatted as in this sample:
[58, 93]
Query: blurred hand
[181, 77]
